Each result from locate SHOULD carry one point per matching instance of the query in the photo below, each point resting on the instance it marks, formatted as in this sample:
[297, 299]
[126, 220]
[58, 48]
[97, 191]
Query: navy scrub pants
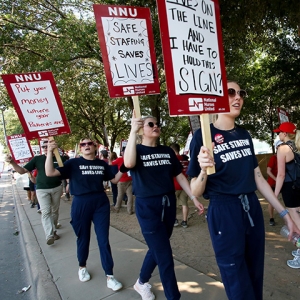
[156, 216]
[85, 210]
[239, 247]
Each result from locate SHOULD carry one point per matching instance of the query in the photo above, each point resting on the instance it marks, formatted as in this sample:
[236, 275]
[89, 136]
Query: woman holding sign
[153, 168]
[86, 175]
[234, 215]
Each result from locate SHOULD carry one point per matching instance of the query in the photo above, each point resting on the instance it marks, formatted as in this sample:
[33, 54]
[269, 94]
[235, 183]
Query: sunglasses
[44, 147]
[232, 92]
[86, 144]
[151, 124]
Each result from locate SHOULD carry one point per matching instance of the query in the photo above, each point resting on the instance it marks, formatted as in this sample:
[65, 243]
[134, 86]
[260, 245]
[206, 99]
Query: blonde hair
[85, 139]
[148, 117]
[296, 138]
[140, 137]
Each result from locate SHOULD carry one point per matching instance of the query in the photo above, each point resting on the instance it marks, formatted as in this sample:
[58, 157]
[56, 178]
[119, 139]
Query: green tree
[61, 36]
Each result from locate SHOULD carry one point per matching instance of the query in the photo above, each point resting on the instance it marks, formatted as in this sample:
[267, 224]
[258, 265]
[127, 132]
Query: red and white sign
[37, 103]
[193, 56]
[19, 148]
[126, 42]
[283, 115]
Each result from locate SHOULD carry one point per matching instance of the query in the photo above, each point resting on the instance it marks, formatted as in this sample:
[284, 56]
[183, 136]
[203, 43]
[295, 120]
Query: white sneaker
[144, 290]
[113, 283]
[296, 252]
[294, 263]
[84, 275]
[58, 225]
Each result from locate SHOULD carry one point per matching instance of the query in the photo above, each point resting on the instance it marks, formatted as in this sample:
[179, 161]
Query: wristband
[193, 197]
[123, 169]
[283, 213]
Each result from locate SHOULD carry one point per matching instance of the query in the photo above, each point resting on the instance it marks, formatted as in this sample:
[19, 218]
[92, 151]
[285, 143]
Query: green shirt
[43, 181]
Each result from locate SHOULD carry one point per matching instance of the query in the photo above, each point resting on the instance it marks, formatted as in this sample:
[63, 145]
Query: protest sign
[36, 150]
[19, 148]
[127, 47]
[283, 115]
[37, 103]
[193, 56]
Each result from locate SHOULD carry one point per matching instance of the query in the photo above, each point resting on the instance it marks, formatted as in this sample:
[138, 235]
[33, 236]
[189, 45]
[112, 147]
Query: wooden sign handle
[56, 153]
[136, 106]
[206, 135]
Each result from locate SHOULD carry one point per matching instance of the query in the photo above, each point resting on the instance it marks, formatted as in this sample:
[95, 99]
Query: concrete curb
[41, 277]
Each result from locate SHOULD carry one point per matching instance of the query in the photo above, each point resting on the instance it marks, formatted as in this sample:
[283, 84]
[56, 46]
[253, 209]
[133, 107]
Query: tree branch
[23, 48]
[24, 26]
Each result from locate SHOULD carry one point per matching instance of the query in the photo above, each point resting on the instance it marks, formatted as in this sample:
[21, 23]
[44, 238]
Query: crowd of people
[155, 179]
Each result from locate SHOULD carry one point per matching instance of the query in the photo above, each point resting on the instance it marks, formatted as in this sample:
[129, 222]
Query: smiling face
[235, 101]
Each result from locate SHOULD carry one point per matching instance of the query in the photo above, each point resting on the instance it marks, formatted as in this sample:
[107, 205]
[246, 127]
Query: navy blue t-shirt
[235, 162]
[154, 171]
[86, 176]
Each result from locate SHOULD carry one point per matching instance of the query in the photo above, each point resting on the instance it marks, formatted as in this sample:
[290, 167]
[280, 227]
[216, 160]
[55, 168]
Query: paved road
[14, 267]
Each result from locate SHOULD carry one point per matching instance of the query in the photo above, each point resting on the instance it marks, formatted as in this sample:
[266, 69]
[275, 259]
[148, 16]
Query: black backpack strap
[291, 145]
[288, 143]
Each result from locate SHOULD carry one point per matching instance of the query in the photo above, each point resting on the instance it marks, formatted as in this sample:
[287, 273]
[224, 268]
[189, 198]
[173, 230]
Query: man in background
[48, 191]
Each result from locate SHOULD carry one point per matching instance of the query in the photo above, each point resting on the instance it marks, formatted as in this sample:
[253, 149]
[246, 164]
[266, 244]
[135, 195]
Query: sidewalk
[55, 267]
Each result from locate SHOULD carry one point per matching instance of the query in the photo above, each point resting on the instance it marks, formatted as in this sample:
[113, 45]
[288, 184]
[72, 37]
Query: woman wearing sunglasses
[153, 168]
[234, 215]
[90, 204]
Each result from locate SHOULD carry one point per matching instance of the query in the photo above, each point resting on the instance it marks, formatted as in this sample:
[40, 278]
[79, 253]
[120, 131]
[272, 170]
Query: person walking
[234, 215]
[124, 187]
[181, 195]
[290, 137]
[288, 134]
[103, 155]
[153, 168]
[114, 187]
[272, 173]
[48, 191]
[90, 204]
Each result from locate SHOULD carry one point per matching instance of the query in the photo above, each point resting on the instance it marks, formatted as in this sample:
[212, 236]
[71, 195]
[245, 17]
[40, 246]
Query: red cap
[287, 127]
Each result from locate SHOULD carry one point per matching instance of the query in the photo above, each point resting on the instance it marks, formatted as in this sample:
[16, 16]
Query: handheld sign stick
[136, 106]
[56, 153]
[206, 134]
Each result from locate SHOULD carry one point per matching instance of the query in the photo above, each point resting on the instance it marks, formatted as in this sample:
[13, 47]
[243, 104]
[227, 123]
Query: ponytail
[297, 140]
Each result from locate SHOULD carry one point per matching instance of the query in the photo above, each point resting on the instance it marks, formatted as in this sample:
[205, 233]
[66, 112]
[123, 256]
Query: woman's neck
[149, 142]
[89, 156]
[224, 122]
